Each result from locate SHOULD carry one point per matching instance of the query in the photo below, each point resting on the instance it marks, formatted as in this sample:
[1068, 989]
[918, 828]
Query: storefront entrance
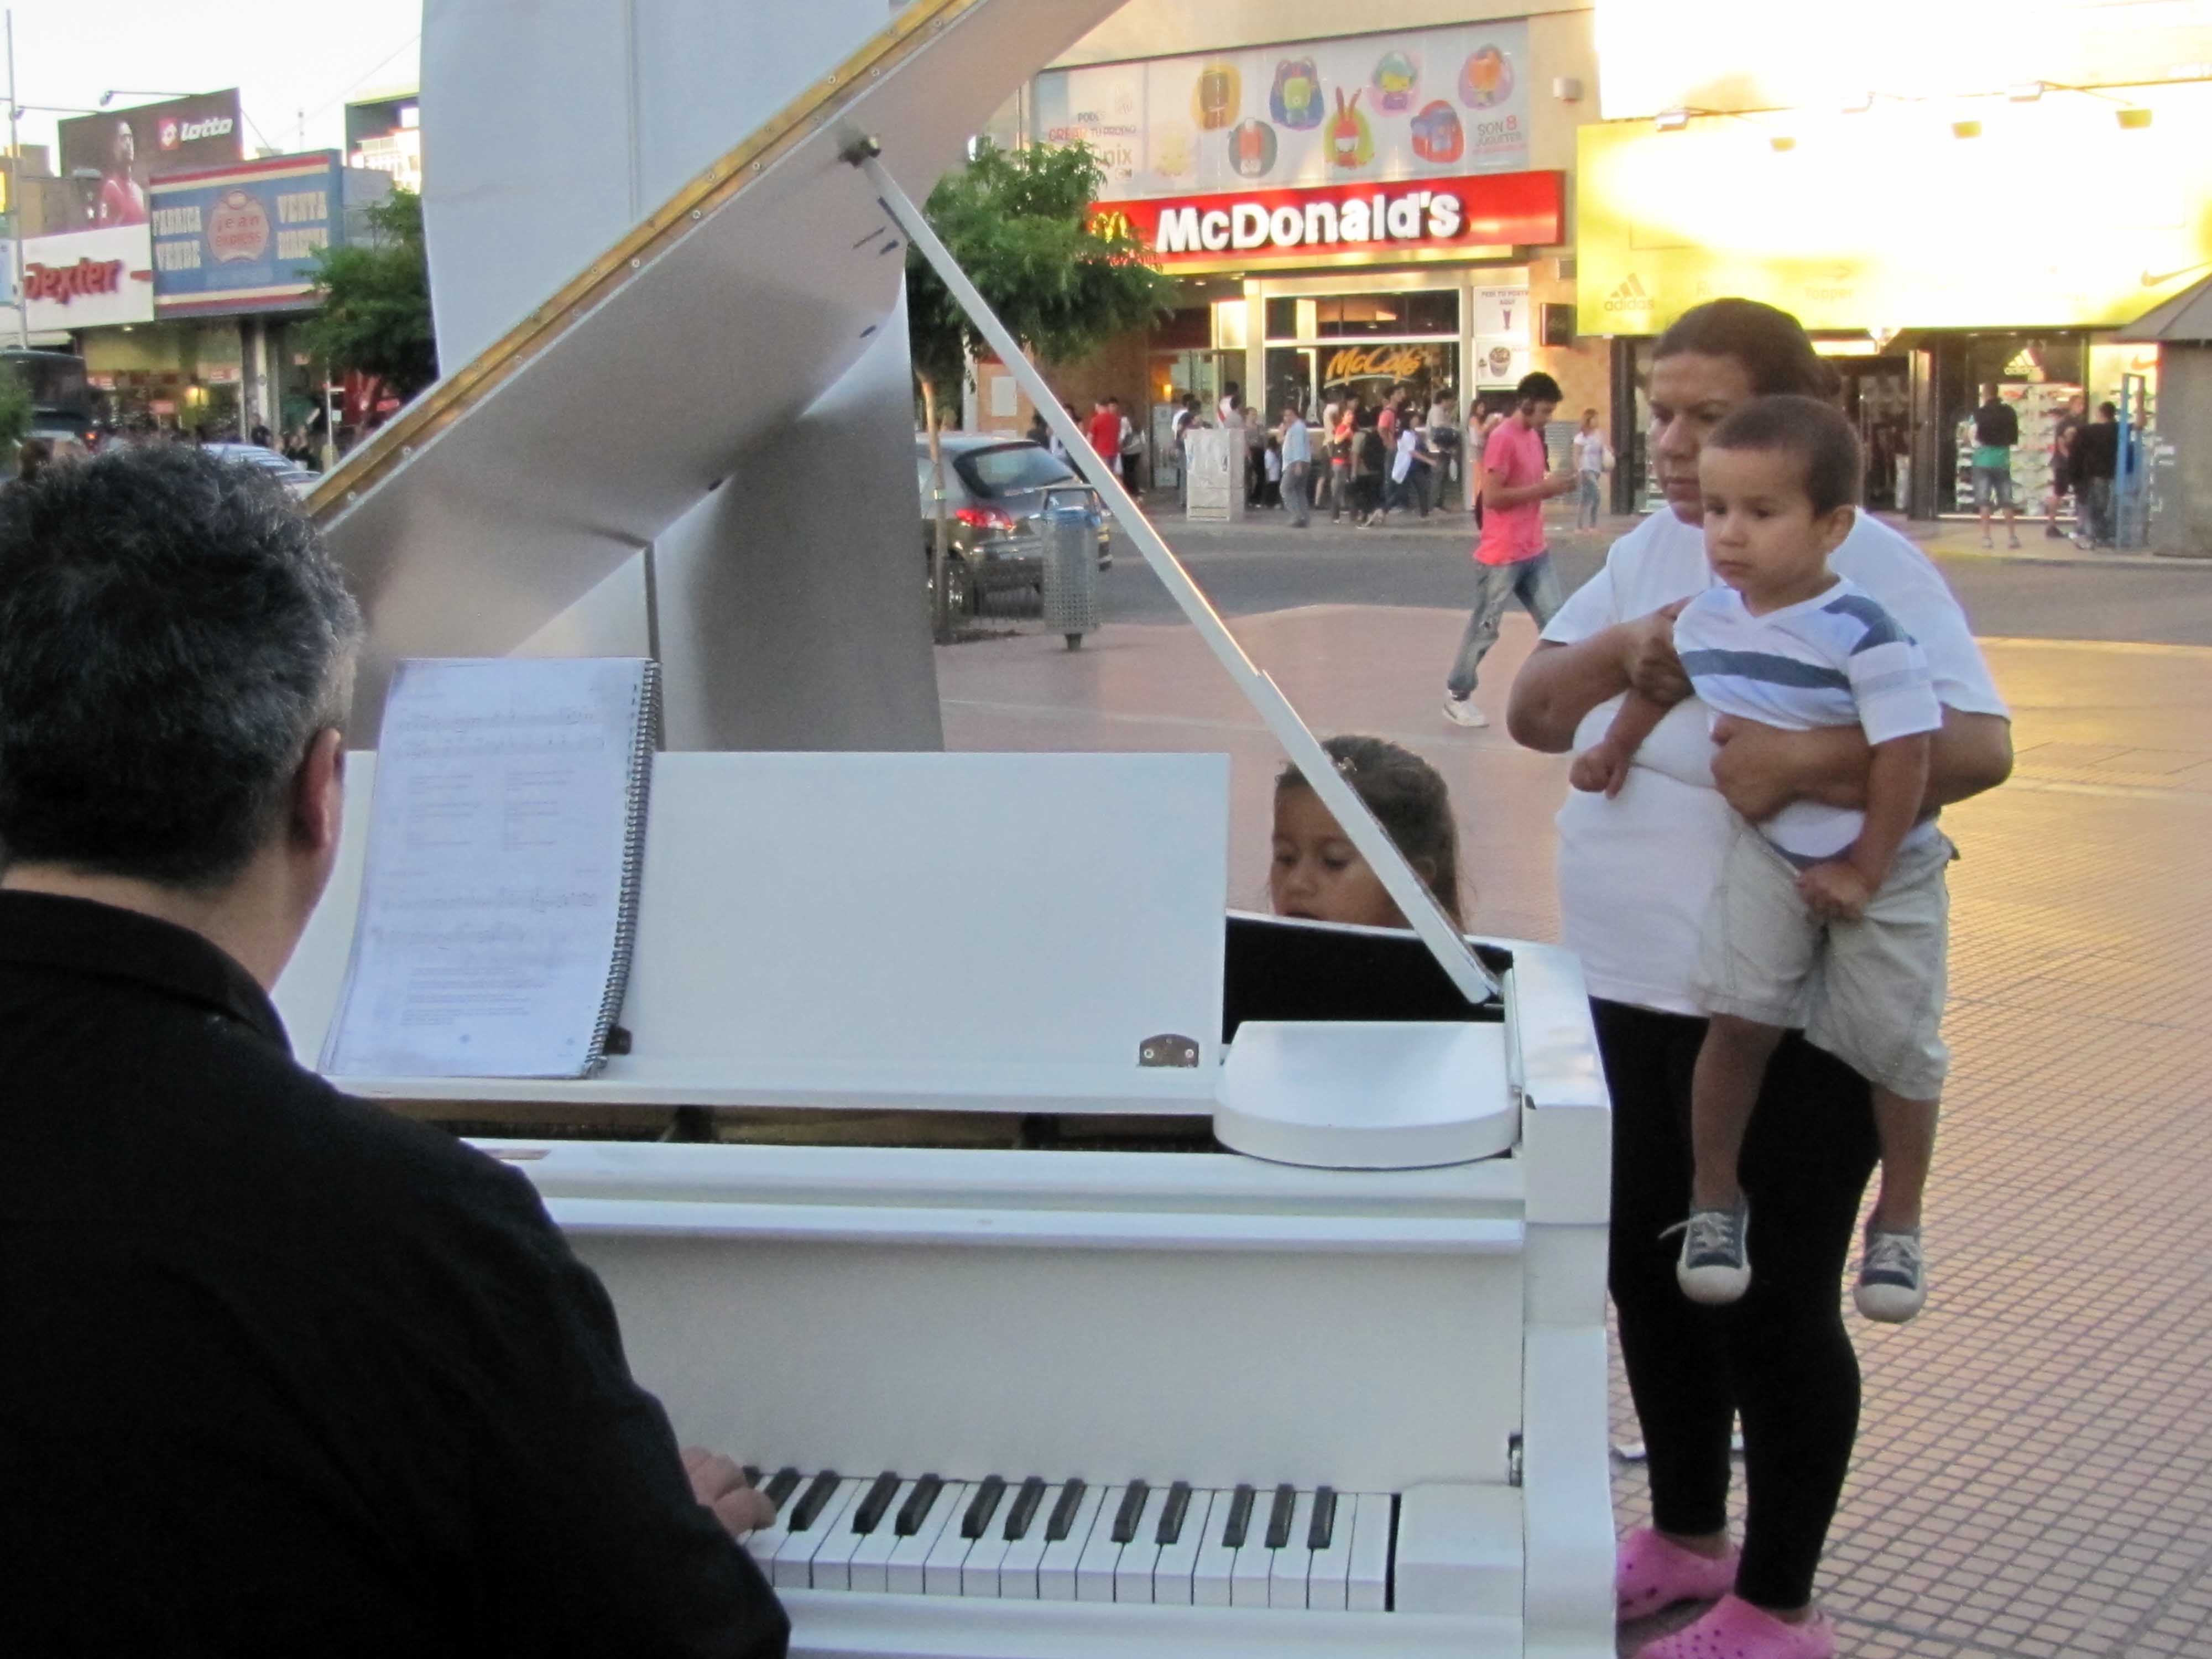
[1878, 397]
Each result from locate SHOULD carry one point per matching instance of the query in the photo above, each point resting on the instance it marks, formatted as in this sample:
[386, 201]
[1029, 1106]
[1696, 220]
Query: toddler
[1318, 874]
[1854, 900]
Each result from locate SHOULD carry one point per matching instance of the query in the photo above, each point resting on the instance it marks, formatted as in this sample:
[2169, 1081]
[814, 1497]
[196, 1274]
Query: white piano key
[1056, 1570]
[912, 1553]
[763, 1543]
[831, 1567]
[1256, 1562]
[1326, 1578]
[1133, 1572]
[1286, 1578]
[940, 1573]
[979, 1573]
[1367, 1579]
[794, 1562]
[1216, 1562]
[1094, 1569]
[1017, 1572]
[870, 1567]
[1175, 1572]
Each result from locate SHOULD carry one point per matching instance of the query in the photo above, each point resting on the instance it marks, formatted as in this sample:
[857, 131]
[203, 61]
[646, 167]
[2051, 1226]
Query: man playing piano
[280, 1373]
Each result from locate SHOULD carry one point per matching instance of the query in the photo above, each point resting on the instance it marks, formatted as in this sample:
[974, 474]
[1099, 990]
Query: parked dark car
[997, 489]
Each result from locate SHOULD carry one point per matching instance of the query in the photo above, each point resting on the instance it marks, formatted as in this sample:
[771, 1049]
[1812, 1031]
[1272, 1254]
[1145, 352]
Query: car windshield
[1010, 467]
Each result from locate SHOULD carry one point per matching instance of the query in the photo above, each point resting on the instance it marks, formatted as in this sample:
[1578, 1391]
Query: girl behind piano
[1317, 872]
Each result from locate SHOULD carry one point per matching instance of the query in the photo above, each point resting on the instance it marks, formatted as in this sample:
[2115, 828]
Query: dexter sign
[1340, 223]
[89, 278]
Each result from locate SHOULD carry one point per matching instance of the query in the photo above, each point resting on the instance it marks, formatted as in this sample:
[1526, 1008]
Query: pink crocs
[1650, 1572]
[1736, 1629]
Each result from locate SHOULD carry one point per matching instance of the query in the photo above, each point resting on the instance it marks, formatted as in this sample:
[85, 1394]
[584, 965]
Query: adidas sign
[1628, 296]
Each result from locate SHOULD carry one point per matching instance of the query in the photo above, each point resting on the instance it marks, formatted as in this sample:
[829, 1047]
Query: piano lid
[508, 491]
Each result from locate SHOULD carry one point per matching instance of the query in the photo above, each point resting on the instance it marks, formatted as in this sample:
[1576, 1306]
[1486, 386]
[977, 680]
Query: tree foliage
[1020, 223]
[15, 408]
[376, 315]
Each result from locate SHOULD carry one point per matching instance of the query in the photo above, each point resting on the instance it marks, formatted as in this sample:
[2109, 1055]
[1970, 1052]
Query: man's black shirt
[2097, 450]
[1995, 425]
[282, 1373]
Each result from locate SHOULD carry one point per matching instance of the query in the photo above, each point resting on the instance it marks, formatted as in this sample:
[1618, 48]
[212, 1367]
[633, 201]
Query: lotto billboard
[131, 148]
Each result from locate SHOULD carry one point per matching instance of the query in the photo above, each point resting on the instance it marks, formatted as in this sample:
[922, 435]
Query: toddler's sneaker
[1714, 1268]
[1892, 1277]
[1651, 1572]
[1734, 1629]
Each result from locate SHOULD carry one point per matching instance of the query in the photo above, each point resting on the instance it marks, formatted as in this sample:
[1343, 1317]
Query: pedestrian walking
[2096, 459]
[1996, 430]
[1511, 558]
[1444, 439]
[1270, 463]
[1103, 429]
[1255, 458]
[2062, 468]
[1369, 463]
[1297, 442]
[1342, 428]
[1637, 873]
[1186, 417]
[1132, 448]
[1593, 460]
[1229, 412]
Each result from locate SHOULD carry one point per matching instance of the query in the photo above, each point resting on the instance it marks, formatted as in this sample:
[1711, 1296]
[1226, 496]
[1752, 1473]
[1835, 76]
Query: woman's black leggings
[1779, 1358]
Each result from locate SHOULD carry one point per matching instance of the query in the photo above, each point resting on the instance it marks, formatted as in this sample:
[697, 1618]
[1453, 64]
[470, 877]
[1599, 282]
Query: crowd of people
[1764, 680]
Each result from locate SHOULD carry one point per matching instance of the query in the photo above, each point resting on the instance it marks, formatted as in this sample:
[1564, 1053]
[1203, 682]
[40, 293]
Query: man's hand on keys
[720, 1485]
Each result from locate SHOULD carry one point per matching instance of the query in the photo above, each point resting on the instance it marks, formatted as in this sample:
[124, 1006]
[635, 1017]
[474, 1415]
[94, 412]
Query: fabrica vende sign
[1342, 223]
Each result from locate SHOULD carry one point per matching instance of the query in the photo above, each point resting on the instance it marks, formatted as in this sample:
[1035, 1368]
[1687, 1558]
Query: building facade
[1348, 212]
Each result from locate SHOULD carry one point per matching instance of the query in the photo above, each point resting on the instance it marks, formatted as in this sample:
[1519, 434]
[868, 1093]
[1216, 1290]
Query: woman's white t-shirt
[1590, 452]
[1635, 872]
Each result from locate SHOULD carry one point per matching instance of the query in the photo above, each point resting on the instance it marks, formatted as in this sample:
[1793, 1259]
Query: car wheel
[960, 594]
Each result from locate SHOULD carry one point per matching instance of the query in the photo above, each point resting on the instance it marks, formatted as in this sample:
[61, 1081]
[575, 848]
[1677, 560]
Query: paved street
[2035, 1474]
[1264, 565]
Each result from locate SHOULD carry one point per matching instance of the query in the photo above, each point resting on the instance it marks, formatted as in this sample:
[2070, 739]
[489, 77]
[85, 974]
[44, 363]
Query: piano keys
[1131, 1542]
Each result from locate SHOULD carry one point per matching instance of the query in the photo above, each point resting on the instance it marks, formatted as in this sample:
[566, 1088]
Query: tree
[376, 315]
[15, 408]
[1020, 223]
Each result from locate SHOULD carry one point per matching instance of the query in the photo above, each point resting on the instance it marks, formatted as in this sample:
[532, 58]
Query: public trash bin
[1070, 572]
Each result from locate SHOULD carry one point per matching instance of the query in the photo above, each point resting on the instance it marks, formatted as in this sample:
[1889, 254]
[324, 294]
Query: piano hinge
[1512, 1459]
[1167, 1050]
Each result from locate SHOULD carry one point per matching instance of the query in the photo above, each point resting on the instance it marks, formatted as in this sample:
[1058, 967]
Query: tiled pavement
[2034, 1472]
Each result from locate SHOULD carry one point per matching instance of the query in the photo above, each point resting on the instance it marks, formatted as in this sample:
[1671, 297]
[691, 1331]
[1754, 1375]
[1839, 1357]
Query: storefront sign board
[1255, 229]
[89, 279]
[1871, 221]
[246, 239]
[1412, 104]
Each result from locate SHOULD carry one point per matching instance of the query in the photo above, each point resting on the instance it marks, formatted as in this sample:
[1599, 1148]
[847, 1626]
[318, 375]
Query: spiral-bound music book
[499, 896]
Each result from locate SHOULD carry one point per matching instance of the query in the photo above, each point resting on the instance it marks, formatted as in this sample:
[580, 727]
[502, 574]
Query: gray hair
[171, 638]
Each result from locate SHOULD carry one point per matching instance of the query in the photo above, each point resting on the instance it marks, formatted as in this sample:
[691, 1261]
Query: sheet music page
[491, 900]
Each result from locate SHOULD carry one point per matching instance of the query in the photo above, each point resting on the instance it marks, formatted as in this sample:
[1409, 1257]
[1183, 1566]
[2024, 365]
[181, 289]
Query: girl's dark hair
[1409, 799]
[1771, 344]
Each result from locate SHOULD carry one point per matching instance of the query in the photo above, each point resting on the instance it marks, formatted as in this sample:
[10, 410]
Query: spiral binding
[646, 744]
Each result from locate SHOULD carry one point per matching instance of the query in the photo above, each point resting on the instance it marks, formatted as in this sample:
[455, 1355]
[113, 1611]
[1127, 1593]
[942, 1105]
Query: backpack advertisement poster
[1414, 104]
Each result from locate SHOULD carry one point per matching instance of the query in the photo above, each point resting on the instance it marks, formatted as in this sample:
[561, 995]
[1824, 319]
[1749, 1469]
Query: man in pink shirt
[1511, 560]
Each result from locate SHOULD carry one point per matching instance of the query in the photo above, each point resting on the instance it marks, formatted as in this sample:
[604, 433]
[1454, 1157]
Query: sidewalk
[2034, 1469]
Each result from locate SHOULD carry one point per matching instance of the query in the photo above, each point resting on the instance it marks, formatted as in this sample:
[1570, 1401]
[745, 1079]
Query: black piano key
[1172, 1513]
[1132, 1511]
[1323, 1527]
[983, 1506]
[919, 1502]
[1063, 1512]
[1024, 1510]
[1239, 1520]
[782, 1485]
[868, 1513]
[819, 1491]
[1279, 1517]
[752, 1474]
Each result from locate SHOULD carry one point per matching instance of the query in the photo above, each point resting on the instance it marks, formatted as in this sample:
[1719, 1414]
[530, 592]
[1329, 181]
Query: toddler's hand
[1834, 892]
[1600, 768]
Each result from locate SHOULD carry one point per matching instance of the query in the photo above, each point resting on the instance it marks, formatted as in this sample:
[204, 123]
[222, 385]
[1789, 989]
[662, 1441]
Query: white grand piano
[1083, 1273]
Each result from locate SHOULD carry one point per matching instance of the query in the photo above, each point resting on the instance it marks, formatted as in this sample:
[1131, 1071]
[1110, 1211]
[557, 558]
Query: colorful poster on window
[1414, 104]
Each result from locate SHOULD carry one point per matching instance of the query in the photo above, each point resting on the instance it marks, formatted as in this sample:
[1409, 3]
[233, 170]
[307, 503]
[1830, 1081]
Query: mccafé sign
[1344, 223]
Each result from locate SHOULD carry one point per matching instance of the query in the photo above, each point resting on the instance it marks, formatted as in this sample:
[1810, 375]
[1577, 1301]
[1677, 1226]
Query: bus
[60, 395]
